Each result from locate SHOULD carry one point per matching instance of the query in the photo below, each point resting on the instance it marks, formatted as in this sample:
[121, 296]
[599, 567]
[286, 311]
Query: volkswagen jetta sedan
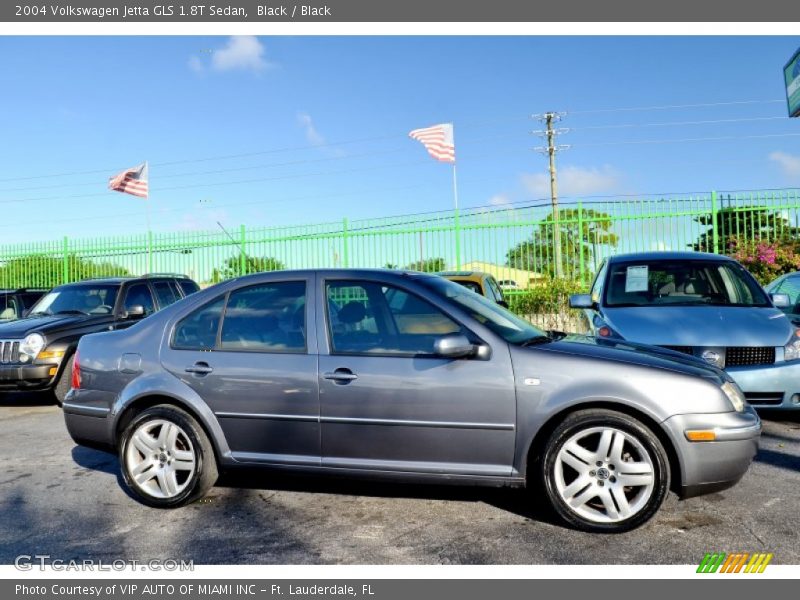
[704, 305]
[403, 376]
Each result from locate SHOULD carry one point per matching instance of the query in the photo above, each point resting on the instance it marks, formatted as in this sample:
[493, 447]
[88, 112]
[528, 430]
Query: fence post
[65, 261]
[580, 241]
[242, 250]
[458, 240]
[150, 251]
[345, 249]
[714, 224]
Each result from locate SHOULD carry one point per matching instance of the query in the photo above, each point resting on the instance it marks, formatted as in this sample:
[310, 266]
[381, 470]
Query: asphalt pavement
[66, 501]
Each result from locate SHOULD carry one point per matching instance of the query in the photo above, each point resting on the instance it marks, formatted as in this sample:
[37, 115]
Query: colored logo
[738, 562]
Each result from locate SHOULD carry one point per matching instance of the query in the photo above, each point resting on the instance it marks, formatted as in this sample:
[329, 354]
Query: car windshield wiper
[535, 340]
[71, 311]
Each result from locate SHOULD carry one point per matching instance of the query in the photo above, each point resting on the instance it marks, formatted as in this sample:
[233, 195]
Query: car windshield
[78, 299]
[682, 283]
[490, 314]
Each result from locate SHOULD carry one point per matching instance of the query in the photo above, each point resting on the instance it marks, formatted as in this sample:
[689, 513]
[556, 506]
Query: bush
[765, 260]
[546, 303]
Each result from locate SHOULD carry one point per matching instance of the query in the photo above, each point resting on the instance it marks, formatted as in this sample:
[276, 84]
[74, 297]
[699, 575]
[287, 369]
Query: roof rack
[181, 275]
[23, 290]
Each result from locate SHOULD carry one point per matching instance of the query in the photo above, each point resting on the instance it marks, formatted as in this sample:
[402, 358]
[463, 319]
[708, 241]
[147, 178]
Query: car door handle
[199, 368]
[341, 376]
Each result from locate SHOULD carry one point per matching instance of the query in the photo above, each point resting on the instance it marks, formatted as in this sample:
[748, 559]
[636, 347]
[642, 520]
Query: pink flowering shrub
[765, 260]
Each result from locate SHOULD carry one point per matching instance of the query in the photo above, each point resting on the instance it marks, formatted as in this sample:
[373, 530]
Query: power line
[686, 140]
[674, 106]
[678, 123]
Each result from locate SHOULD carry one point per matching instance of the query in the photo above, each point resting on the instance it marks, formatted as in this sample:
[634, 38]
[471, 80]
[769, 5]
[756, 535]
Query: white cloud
[499, 200]
[789, 163]
[313, 136]
[573, 181]
[240, 53]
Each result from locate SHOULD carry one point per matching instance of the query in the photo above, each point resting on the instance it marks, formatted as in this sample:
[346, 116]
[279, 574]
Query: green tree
[428, 265]
[40, 270]
[252, 264]
[582, 233]
[743, 223]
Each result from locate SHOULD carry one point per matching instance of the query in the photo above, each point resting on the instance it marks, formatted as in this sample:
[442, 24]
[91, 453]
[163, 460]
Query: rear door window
[198, 330]
[188, 286]
[165, 293]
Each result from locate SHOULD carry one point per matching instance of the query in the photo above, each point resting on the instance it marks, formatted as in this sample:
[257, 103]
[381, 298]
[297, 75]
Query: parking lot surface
[66, 501]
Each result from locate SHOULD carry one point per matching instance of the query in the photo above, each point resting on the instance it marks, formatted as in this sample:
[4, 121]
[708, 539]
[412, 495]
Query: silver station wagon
[404, 376]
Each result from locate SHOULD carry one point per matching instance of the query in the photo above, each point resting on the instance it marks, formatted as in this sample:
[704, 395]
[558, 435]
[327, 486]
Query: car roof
[462, 275]
[668, 256]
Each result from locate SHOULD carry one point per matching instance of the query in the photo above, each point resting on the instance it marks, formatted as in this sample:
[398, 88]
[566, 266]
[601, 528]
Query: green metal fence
[514, 242]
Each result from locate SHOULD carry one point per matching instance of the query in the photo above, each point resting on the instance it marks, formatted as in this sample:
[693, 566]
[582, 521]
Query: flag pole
[455, 214]
[147, 218]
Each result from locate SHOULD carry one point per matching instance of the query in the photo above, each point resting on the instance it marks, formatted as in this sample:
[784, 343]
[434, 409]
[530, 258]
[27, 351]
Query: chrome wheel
[160, 459]
[604, 474]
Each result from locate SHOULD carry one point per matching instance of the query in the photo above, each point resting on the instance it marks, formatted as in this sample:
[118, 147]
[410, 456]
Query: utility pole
[550, 133]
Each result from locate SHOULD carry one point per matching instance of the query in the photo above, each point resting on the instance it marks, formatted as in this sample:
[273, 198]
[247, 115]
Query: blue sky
[265, 131]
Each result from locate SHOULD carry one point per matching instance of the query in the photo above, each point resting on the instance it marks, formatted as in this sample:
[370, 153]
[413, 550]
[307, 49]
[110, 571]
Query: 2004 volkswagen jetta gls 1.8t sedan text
[403, 376]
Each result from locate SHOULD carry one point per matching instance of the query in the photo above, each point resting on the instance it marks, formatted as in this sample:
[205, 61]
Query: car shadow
[21, 399]
[778, 459]
[521, 502]
[780, 416]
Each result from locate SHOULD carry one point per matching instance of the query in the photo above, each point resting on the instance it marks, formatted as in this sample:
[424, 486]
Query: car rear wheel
[167, 460]
[605, 471]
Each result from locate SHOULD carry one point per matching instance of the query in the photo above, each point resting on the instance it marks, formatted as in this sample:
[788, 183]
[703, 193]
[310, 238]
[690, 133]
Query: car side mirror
[134, 312]
[781, 300]
[581, 301]
[454, 346]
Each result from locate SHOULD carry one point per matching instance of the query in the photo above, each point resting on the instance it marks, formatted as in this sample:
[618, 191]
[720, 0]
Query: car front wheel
[167, 459]
[605, 471]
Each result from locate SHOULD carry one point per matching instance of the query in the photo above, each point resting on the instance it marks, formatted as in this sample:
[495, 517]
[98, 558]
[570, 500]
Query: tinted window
[165, 293]
[498, 294]
[8, 307]
[139, 294]
[30, 298]
[188, 286]
[684, 282]
[470, 285]
[367, 317]
[198, 331]
[267, 318]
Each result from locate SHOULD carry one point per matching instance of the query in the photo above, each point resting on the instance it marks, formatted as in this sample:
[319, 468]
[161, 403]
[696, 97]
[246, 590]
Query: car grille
[764, 398]
[748, 356]
[738, 356]
[9, 351]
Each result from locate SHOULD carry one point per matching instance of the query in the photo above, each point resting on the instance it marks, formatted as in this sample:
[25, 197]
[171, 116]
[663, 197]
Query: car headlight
[735, 395]
[791, 351]
[32, 345]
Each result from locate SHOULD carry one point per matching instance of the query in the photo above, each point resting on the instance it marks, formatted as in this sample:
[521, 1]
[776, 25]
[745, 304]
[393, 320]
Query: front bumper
[712, 466]
[26, 377]
[770, 386]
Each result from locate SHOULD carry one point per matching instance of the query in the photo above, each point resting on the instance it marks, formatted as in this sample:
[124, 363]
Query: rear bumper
[712, 466]
[27, 377]
[770, 386]
[88, 420]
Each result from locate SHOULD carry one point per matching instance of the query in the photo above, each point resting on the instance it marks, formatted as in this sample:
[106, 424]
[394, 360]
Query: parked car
[415, 379]
[704, 305]
[14, 303]
[482, 283]
[508, 284]
[788, 285]
[37, 352]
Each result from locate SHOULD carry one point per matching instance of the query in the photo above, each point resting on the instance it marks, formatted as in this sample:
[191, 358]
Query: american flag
[438, 141]
[131, 181]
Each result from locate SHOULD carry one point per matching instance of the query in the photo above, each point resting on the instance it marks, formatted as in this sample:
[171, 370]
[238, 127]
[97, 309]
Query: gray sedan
[403, 376]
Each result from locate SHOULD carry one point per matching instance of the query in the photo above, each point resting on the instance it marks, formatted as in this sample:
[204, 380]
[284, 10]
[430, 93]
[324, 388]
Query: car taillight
[76, 373]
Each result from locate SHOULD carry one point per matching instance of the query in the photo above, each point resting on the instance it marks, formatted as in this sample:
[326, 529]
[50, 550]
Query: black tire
[64, 382]
[584, 421]
[205, 473]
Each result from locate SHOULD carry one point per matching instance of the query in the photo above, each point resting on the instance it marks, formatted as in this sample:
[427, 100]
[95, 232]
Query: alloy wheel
[160, 459]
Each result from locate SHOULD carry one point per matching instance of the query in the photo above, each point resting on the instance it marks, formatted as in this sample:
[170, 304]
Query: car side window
[599, 282]
[498, 293]
[188, 286]
[8, 308]
[270, 317]
[374, 318]
[165, 293]
[198, 330]
[139, 294]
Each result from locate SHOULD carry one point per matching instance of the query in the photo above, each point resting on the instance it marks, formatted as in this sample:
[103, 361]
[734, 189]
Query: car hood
[701, 325]
[635, 354]
[43, 324]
